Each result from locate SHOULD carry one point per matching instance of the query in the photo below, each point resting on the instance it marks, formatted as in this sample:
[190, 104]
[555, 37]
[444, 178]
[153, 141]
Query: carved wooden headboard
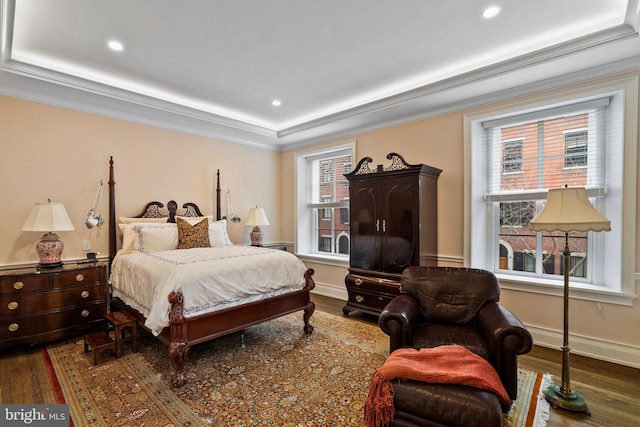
[152, 210]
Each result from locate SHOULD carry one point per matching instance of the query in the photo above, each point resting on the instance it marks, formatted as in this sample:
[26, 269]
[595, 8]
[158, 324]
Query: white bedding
[209, 278]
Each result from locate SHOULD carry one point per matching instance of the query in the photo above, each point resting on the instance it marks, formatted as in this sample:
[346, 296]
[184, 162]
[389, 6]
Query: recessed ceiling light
[491, 11]
[115, 45]
[276, 103]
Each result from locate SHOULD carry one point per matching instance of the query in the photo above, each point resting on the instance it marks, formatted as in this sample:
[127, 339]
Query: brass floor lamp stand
[562, 396]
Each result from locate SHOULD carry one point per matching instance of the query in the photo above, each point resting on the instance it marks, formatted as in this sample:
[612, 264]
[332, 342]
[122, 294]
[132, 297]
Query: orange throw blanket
[450, 364]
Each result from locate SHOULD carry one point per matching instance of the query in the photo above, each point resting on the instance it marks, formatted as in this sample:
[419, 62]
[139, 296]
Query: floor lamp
[568, 209]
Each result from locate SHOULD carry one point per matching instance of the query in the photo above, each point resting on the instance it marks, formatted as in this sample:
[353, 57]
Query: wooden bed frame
[183, 332]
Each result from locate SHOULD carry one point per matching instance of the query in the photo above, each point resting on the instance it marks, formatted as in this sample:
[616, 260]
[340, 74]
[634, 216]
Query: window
[344, 216]
[326, 213]
[512, 156]
[516, 155]
[575, 148]
[322, 199]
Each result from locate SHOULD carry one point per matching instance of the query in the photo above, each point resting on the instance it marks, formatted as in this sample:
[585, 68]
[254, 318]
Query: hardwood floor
[612, 391]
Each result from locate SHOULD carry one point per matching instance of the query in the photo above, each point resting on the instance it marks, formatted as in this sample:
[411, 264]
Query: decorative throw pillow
[193, 236]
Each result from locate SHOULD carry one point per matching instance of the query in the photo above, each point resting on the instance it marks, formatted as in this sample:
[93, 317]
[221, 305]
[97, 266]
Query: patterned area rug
[269, 374]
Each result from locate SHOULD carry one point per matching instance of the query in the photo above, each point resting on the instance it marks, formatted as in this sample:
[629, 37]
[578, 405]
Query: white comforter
[209, 278]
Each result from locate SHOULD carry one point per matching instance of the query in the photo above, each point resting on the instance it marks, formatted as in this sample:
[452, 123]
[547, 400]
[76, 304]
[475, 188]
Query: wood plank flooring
[612, 391]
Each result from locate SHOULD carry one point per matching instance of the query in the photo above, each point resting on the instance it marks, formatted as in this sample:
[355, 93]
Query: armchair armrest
[507, 337]
[400, 319]
[496, 323]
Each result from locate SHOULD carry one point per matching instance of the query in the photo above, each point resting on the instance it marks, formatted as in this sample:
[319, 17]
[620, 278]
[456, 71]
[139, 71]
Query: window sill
[335, 261]
[577, 290]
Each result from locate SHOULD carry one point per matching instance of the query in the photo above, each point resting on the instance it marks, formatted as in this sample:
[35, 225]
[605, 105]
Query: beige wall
[607, 331]
[52, 152]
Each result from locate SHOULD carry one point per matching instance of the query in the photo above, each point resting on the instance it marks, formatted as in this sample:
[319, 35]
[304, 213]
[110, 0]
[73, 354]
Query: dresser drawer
[22, 283]
[356, 282]
[369, 301]
[24, 304]
[12, 327]
[87, 276]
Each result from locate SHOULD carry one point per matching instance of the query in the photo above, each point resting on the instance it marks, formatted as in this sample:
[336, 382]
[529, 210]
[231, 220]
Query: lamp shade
[569, 209]
[48, 217]
[257, 217]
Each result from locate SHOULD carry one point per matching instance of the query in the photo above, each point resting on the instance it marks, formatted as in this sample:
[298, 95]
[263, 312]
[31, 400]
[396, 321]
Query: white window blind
[529, 153]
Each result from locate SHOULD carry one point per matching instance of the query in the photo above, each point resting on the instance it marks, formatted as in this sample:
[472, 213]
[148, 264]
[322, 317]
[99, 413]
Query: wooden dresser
[393, 225]
[38, 306]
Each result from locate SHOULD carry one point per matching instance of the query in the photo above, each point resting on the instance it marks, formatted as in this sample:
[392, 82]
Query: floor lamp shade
[256, 218]
[48, 217]
[568, 209]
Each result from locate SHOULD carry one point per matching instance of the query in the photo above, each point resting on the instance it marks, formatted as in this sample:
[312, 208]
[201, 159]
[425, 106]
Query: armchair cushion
[431, 335]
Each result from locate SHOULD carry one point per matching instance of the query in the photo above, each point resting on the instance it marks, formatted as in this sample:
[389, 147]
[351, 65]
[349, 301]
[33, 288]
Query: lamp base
[49, 248]
[49, 265]
[256, 236]
[571, 401]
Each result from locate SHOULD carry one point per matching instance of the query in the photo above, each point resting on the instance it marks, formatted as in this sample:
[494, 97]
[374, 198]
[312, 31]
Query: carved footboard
[183, 332]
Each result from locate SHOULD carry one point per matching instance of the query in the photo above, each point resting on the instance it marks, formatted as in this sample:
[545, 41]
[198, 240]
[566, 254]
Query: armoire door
[400, 223]
[365, 225]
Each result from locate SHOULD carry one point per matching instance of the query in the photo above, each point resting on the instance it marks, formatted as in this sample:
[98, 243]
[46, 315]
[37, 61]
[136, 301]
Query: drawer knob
[359, 298]
[84, 313]
[84, 294]
[18, 285]
[79, 277]
[13, 327]
[358, 281]
[380, 298]
[12, 305]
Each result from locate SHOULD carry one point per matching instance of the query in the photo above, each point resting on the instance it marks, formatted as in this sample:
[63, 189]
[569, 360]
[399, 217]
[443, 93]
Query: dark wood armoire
[393, 225]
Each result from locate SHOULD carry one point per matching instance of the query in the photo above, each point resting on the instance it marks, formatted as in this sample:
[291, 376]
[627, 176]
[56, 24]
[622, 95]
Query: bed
[170, 290]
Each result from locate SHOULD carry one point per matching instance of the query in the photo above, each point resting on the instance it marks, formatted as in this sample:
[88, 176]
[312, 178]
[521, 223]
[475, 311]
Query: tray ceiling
[336, 67]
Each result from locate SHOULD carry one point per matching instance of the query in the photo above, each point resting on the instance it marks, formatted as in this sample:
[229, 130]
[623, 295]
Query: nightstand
[38, 306]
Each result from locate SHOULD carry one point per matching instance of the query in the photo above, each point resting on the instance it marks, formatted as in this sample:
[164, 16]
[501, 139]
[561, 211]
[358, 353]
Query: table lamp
[48, 217]
[256, 218]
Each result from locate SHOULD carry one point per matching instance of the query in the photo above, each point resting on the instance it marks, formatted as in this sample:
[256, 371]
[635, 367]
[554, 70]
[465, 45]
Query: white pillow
[218, 233]
[157, 237]
[130, 238]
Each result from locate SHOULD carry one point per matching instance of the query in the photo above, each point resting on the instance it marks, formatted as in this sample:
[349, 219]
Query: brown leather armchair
[445, 305]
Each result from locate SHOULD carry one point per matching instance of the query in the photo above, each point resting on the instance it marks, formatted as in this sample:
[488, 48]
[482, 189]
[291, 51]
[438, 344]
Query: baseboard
[620, 354]
[330, 291]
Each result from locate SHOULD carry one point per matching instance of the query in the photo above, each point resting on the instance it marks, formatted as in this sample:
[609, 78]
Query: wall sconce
[93, 219]
[230, 215]
[256, 217]
[48, 217]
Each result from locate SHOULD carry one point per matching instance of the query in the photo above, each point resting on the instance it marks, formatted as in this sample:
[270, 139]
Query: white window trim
[302, 217]
[628, 277]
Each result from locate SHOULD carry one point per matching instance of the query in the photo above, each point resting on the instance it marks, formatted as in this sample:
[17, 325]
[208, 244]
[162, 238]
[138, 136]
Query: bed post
[112, 214]
[178, 347]
[218, 210]
[311, 306]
